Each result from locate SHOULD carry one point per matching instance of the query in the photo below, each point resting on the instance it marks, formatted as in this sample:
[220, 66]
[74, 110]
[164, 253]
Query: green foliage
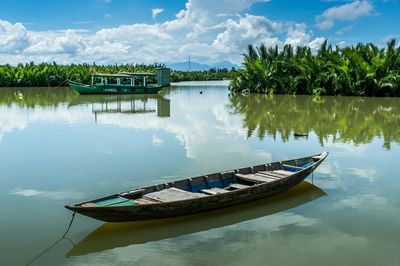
[361, 70]
[51, 75]
[211, 74]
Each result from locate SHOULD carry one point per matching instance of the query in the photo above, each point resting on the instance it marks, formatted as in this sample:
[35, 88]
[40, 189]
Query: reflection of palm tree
[112, 235]
[31, 97]
[345, 118]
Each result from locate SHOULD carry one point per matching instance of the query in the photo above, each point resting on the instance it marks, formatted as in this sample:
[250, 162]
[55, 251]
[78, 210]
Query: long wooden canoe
[114, 235]
[202, 193]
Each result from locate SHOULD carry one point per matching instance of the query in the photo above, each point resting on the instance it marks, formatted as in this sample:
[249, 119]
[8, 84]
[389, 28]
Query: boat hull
[194, 205]
[113, 89]
[113, 235]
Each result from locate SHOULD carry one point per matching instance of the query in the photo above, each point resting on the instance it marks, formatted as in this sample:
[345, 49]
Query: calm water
[58, 148]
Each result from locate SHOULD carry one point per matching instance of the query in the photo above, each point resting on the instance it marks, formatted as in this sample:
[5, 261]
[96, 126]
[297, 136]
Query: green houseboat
[124, 83]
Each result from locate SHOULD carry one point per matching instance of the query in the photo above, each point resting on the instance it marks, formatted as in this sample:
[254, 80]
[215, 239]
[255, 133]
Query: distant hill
[194, 66]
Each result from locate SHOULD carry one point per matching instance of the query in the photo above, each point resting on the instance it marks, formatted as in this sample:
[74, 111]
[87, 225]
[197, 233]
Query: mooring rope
[61, 83]
[55, 243]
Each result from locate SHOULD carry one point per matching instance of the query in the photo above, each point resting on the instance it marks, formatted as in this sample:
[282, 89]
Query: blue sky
[210, 31]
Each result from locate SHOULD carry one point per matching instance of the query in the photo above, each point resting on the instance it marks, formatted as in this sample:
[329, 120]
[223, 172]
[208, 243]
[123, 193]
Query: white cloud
[316, 43]
[210, 31]
[297, 35]
[13, 37]
[345, 12]
[249, 29]
[156, 11]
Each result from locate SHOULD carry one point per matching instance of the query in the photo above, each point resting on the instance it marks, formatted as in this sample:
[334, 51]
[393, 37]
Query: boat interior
[207, 185]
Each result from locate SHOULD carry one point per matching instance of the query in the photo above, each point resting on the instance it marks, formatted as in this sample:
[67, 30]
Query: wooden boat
[114, 235]
[124, 83]
[202, 193]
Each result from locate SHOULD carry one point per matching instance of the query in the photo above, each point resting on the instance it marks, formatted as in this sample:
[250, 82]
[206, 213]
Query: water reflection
[346, 119]
[125, 104]
[31, 97]
[128, 104]
[112, 235]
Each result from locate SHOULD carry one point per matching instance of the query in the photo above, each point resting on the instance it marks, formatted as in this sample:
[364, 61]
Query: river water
[58, 148]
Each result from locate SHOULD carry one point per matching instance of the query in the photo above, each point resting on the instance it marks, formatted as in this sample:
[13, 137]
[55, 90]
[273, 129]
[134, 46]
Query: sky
[166, 31]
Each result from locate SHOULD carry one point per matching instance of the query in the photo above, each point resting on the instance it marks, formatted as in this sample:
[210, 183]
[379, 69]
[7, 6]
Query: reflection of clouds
[262, 154]
[156, 140]
[329, 168]
[367, 201]
[206, 247]
[328, 175]
[17, 117]
[346, 150]
[280, 239]
[279, 221]
[228, 122]
[55, 195]
[204, 128]
[204, 132]
[368, 173]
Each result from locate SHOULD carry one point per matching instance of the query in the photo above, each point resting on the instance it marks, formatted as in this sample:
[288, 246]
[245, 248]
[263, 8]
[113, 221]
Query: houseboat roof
[124, 75]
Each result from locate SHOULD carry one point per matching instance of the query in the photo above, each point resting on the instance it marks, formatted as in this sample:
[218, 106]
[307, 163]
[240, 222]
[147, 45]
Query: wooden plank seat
[283, 172]
[271, 177]
[214, 191]
[277, 173]
[293, 167]
[255, 178]
[238, 186]
[146, 201]
[271, 174]
[171, 194]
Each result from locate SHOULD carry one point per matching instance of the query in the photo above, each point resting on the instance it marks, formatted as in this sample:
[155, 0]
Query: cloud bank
[209, 31]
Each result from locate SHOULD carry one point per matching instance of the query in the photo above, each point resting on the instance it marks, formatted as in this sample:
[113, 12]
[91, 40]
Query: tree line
[53, 74]
[360, 70]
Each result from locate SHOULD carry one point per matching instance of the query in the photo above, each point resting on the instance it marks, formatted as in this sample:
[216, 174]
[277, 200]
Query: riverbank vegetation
[211, 74]
[52, 74]
[360, 70]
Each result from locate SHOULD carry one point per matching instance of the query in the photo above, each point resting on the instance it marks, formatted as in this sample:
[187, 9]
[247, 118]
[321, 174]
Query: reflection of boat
[300, 135]
[112, 235]
[125, 104]
[201, 193]
[124, 83]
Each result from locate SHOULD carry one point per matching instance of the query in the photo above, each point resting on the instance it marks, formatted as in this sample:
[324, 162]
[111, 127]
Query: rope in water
[61, 83]
[55, 243]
